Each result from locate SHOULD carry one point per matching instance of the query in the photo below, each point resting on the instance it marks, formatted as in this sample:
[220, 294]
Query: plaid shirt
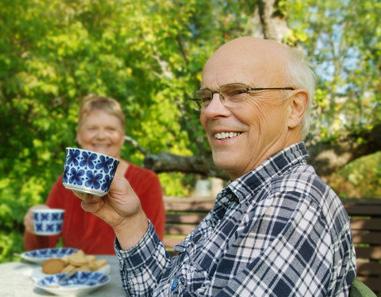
[276, 231]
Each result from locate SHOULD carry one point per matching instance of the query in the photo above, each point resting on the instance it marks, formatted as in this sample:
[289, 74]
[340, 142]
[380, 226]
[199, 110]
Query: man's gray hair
[302, 76]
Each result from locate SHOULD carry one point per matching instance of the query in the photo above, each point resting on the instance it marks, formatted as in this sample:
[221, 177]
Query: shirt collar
[278, 164]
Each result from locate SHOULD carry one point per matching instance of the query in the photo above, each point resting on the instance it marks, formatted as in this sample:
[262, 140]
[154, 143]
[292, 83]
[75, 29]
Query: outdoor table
[16, 281]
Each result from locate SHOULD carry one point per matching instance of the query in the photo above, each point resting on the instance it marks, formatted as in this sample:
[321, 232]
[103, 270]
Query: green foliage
[146, 54]
[343, 42]
[177, 184]
[360, 178]
[9, 243]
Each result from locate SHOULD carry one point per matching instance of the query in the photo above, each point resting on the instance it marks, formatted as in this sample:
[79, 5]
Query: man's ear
[297, 107]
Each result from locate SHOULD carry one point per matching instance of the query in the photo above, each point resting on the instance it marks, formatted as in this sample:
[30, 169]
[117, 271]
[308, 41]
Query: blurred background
[149, 55]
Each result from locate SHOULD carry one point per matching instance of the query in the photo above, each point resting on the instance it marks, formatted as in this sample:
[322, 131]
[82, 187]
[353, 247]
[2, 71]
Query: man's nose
[216, 106]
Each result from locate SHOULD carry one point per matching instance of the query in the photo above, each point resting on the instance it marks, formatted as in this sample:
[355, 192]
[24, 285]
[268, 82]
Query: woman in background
[100, 129]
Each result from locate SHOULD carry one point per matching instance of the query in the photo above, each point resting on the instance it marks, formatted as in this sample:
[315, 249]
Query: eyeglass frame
[246, 90]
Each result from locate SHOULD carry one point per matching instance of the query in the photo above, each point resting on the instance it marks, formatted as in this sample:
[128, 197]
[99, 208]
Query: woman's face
[101, 132]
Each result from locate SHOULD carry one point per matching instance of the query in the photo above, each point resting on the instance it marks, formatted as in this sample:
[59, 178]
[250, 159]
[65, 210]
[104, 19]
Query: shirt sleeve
[151, 197]
[290, 250]
[142, 266]
[32, 241]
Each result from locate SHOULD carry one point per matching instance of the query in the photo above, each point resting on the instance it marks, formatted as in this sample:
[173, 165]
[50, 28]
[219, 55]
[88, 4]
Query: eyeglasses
[229, 94]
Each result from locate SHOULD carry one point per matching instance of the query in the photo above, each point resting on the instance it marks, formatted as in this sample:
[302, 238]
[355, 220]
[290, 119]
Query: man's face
[242, 135]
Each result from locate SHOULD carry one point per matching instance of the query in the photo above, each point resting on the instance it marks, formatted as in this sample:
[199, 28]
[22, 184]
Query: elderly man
[276, 229]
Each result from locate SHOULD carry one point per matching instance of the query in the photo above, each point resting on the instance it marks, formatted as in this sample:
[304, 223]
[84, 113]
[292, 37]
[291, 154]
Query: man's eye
[235, 92]
[206, 99]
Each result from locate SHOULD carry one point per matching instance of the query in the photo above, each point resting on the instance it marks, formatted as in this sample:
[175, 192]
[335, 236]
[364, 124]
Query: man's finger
[80, 195]
[92, 204]
[85, 196]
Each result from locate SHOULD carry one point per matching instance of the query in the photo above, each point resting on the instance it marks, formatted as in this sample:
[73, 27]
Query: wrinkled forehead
[256, 63]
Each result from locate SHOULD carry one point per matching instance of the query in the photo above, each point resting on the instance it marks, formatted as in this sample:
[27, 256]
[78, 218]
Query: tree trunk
[272, 19]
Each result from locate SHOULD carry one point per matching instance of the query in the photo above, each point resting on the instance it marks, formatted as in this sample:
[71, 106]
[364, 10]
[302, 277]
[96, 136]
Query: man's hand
[121, 209]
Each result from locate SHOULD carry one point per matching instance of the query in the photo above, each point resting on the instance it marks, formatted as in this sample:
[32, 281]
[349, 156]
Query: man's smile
[226, 135]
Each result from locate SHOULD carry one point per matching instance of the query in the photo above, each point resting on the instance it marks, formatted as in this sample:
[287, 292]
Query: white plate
[78, 284]
[40, 255]
[37, 273]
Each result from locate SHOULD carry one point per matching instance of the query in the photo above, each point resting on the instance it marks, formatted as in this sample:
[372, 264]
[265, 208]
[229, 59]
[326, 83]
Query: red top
[85, 231]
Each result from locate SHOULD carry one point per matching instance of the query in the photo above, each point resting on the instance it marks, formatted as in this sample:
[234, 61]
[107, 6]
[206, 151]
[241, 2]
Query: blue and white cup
[48, 221]
[88, 172]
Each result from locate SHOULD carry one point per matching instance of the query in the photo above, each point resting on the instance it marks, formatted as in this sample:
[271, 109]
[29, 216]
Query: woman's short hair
[95, 102]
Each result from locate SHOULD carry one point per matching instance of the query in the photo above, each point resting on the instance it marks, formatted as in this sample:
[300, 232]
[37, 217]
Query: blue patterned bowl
[48, 221]
[88, 172]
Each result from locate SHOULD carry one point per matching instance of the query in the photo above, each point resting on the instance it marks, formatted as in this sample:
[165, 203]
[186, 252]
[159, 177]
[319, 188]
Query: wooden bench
[183, 214]
[366, 231]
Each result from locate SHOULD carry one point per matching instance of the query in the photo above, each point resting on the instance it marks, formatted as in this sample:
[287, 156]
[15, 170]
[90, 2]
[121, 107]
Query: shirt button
[174, 284]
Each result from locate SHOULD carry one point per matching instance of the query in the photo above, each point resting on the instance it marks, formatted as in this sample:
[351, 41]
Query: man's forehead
[246, 60]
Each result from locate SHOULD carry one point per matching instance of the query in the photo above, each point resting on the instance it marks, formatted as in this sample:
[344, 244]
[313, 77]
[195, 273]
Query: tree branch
[326, 157]
[167, 162]
[136, 145]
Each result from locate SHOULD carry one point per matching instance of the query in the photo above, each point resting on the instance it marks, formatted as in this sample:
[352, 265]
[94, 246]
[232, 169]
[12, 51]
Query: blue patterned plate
[40, 255]
[79, 283]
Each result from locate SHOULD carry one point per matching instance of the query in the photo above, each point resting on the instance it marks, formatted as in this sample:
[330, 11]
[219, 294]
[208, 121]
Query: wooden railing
[183, 214]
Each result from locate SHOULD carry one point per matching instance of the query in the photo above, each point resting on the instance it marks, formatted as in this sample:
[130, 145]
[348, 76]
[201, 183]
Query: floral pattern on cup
[88, 172]
[48, 221]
